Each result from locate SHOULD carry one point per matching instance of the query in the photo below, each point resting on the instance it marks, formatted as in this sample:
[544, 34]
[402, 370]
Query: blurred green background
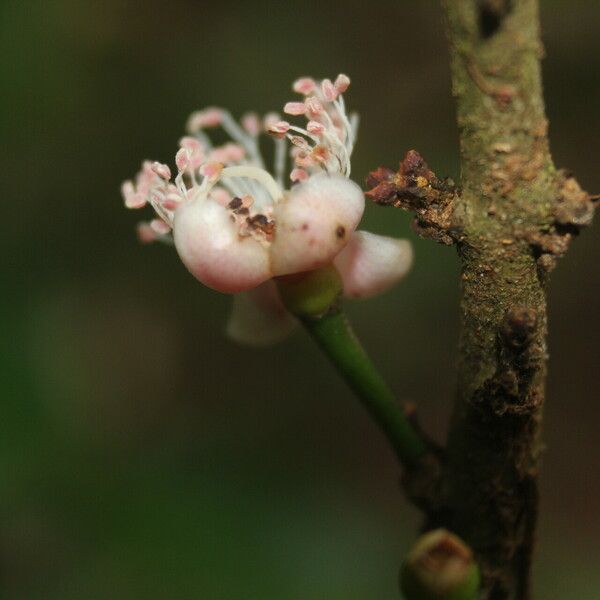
[143, 455]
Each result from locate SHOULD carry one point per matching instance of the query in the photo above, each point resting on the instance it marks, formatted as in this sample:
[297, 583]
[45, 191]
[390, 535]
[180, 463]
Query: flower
[235, 225]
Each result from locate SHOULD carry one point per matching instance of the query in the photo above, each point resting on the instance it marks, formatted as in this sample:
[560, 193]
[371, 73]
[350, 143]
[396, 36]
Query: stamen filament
[279, 161]
[231, 126]
[257, 174]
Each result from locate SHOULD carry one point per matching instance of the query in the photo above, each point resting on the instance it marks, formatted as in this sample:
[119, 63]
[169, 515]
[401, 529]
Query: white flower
[235, 226]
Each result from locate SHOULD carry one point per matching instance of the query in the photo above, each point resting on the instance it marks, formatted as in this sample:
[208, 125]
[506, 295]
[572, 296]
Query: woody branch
[512, 216]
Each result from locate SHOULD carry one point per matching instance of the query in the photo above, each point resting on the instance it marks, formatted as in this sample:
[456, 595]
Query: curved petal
[314, 222]
[259, 318]
[211, 248]
[371, 263]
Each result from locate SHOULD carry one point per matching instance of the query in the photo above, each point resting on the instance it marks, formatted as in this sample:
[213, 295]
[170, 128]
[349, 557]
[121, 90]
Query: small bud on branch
[440, 567]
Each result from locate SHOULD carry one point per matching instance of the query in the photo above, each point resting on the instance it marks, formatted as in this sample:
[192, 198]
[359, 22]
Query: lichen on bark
[512, 215]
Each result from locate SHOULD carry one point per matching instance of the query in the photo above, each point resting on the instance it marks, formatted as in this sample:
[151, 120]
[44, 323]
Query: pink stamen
[279, 129]
[212, 170]
[304, 85]
[133, 198]
[194, 150]
[315, 127]
[251, 123]
[300, 142]
[320, 154]
[147, 168]
[270, 119]
[209, 117]
[196, 160]
[313, 106]
[235, 152]
[172, 201]
[294, 108]
[328, 89]
[127, 189]
[145, 179]
[136, 201]
[342, 83]
[161, 170]
[228, 153]
[191, 144]
[182, 159]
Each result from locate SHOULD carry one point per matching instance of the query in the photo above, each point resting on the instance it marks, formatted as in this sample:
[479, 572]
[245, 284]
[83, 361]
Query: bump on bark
[415, 187]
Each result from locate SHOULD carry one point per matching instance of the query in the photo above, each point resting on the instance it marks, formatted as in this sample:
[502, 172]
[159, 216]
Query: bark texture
[511, 217]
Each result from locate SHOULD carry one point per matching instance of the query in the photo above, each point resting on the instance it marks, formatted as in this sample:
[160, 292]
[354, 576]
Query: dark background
[142, 454]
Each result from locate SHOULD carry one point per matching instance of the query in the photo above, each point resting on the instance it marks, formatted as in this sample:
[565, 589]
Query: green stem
[335, 337]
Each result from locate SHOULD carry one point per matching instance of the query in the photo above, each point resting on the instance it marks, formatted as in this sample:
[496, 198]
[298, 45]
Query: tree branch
[512, 217]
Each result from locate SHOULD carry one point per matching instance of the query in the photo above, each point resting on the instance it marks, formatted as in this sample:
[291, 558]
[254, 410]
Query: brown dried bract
[415, 187]
[261, 223]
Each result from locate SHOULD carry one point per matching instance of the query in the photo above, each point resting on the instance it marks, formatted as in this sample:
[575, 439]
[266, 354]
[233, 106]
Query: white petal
[371, 263]
[314, 222]
[259, 318]
[209, 245]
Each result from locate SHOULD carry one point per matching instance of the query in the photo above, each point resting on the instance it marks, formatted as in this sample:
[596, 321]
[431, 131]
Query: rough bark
[513, 215]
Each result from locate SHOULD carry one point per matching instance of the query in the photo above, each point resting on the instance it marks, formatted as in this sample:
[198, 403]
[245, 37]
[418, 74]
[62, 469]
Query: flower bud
[440, 567]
